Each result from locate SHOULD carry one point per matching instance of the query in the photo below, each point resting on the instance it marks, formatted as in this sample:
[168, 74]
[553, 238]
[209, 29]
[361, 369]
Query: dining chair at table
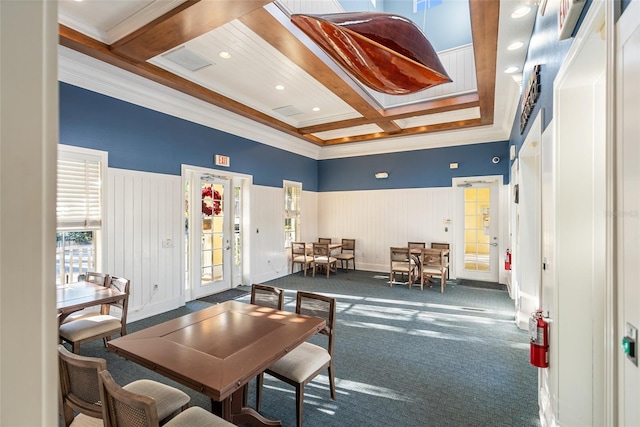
[264, 296]
[416, 245]
[125, 408]
[447, 257]
[305, 362]
[322, 257]
[300, 255]
[101, 279]
[103, 324]
[80, 391]
[347, 253]
[432, 263]
[401, 262]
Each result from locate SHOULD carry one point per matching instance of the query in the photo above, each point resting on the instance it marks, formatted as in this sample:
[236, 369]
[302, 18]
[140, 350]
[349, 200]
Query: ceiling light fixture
[515, 46]
[279, 87]
[316, 108]
[520, 12]
[511, 69]
[225, 55]
[381, 175]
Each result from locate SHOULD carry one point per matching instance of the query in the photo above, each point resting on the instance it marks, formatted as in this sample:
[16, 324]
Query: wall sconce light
[381, 175]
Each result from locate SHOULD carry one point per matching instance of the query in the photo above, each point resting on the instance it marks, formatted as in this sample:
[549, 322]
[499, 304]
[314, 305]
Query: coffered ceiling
[246, 57]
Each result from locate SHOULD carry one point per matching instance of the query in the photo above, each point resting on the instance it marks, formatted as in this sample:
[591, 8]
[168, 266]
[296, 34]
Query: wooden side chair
[438, 245]
[432, 263]
[126, 408]
[322, 257]
[101, 279]
[103, 324]
[265, 296]
[300, 255]
[80, 391]
[305, 362]
[347, 253]
[416, 245]
[401, 262]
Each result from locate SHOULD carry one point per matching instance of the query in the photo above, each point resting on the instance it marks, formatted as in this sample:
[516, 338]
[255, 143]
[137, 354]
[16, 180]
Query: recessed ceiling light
[316, 108]
[515, 46]
[511, 69]
[279, 87]
[225, 55]
[520, 12]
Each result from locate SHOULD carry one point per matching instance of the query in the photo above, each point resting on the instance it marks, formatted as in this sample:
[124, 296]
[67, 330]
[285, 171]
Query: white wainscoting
[269, 258]
[143, 211]
[379, 219]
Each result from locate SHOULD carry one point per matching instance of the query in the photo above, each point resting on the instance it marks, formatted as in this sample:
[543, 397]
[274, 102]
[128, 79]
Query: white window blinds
[79, 201]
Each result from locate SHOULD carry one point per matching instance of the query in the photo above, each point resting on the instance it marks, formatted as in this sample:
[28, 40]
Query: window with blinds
[79, 194]
[78, 211]
[292, 197]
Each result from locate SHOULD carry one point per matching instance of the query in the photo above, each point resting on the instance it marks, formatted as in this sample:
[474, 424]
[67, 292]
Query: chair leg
[299, 403]
[332, 382]
[259, 381]
[76, 347]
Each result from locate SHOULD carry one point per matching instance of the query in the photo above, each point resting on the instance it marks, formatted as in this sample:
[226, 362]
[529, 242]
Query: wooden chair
[432, 263]
[101, 279]
[322, 257]
[80, 391]
[436, 245]
[270, 297]
[96, 325]
[347, 253]
[324, 240]
[401, 262]
[305, 362]
[418, 245]
[299, 255]
[126, 408]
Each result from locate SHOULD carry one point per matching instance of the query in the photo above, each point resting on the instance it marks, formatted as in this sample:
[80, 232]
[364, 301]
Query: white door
[209, 255]
[477, 231]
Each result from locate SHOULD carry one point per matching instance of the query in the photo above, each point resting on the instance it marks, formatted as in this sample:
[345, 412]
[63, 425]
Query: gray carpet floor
[402, 357]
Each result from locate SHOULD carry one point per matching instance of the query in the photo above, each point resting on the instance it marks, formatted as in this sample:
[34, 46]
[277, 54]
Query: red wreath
[207, 192]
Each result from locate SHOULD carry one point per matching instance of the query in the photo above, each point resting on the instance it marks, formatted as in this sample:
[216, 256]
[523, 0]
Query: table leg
[232, 410]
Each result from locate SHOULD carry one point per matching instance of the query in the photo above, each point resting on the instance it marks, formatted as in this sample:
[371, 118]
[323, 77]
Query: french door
[477, 230]
[209, 213]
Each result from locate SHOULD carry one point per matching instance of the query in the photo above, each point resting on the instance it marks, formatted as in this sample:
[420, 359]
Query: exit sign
[221, 160]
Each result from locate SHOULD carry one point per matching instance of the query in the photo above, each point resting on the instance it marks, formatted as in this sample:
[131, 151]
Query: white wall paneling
[145, 228]
[379, 219]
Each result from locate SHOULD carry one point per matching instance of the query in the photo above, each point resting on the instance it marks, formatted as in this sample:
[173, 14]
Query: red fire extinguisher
[507, 260]
[539, 337]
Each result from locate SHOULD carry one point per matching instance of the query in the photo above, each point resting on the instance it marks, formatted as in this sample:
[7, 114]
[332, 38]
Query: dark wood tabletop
[217, 350]
[72, 297]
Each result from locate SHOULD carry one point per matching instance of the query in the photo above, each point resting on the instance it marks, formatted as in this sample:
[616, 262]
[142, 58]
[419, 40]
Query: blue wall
[414, 169]
[141, 139]
[544, 49]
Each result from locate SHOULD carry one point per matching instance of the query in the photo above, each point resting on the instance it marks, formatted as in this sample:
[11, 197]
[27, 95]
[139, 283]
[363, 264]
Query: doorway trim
[245, 217]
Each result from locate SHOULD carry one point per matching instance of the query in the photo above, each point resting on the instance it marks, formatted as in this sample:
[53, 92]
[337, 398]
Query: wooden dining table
[72, 297]
[217, 350]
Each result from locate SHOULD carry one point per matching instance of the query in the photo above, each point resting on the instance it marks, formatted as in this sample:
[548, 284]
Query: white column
[28, 139]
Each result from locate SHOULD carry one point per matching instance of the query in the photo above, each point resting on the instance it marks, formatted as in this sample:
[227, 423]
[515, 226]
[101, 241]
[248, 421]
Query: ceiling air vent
[187, 59]
[288, 110]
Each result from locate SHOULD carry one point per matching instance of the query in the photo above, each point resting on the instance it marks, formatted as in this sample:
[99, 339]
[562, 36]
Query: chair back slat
[321, 250]
[316, 305]
[324, 240]
[298, 248]
[418, 245]
[348, 244]
[101, 279]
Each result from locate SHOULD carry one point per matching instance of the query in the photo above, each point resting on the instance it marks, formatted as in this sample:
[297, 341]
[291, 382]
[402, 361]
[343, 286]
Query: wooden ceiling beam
[273, 32]
[95, 49]
[484, 30]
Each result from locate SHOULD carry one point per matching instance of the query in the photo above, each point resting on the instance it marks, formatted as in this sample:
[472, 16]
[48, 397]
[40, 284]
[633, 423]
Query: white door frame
[458, 246]
[236, 179]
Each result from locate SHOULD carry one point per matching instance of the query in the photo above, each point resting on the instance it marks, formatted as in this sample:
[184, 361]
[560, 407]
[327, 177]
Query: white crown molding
[88, 73]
